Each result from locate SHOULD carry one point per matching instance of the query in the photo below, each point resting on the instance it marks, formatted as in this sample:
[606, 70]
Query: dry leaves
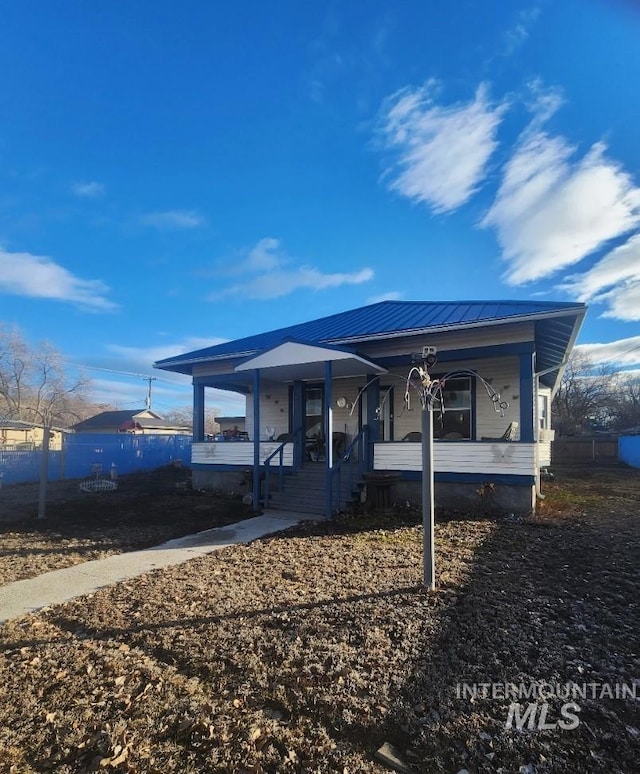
[307, 652]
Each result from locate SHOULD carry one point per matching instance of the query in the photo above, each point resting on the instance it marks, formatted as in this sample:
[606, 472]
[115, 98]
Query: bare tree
[34, 385]
[184, 416]
[587, 395]
[627, 405]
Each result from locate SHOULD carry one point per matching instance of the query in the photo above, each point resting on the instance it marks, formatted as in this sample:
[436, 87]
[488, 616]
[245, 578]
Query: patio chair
[414, 435]
[508, 435]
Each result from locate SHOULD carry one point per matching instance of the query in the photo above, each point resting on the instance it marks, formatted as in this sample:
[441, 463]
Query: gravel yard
[147, 509]
[307, 651]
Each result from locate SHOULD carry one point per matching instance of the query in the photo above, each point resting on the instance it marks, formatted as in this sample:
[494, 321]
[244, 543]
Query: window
[454, 422]
[543, 412]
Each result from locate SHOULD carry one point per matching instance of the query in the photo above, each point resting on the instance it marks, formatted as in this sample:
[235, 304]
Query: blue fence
[629, 449]
[81, 452]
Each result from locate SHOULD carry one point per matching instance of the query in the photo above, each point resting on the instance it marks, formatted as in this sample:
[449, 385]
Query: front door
[313, 422]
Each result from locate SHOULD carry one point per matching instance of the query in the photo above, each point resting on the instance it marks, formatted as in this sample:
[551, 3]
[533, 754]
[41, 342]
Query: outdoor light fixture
[430, 356]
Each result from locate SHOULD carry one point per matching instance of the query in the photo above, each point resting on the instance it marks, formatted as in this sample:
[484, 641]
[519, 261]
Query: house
[138, 421]
[344, 378]
[17, 435]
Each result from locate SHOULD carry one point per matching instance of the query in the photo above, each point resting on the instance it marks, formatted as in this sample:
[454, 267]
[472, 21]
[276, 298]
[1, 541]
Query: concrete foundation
[500, 499]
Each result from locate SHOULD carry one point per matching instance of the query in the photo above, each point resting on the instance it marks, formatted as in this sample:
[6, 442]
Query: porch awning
[295, 360]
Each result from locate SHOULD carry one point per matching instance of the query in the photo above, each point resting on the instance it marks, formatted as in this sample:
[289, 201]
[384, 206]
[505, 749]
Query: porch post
[526, 397]
[256, 440]
[298, 429]
[328, 435]
[198, 413]
[428, 508]
[373, 401]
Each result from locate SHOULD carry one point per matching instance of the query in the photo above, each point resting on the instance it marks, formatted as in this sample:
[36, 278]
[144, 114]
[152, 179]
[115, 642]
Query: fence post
[44, 473]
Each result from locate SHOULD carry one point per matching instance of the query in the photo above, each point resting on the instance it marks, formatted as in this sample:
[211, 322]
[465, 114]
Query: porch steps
[305, 491]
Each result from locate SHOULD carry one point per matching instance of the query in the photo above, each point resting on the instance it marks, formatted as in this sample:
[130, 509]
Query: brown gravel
[305, 652]
[146, 510]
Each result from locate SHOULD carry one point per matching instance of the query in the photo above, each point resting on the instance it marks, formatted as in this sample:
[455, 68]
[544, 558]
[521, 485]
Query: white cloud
[441, 152]
[264, 256]
[34, 276]
[615, 280]
[280, 283]
[516, 35]
[144, 357]
[623, 352]
[275, 274]
[550, 211]
[393, 295]
[173, 219]
[91, 190]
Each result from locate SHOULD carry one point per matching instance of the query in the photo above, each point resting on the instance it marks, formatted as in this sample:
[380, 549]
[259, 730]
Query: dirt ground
[146, 509]
[305, 652]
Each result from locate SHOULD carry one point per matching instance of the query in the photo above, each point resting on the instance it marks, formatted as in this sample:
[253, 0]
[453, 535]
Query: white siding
[503, 375]
[274, 410]
[476, 337]
[213, 369]
[237, 453]
[459, 457]
[544, 453]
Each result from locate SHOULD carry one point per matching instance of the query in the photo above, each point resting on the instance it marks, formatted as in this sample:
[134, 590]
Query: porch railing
[294, 437]
[349, 468]
[267, 471]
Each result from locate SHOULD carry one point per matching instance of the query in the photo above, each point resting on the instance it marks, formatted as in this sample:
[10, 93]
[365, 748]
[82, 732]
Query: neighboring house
[138, 421]
[344, 377]
[24, 436]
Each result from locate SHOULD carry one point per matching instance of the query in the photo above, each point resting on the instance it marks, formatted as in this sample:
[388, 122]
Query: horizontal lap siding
[237, 453]
[504, 374]
[459, 457]
[477, 337]
[544, 453]
[274, 410]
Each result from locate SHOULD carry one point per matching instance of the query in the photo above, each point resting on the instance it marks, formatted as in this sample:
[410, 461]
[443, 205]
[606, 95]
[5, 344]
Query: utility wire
[125, 373]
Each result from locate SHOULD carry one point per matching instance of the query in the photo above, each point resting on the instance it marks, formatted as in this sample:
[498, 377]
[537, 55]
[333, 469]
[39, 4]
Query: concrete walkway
[52, 588]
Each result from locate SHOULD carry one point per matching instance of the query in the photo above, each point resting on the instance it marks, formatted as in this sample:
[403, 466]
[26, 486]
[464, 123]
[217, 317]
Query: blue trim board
[288, 469]
[471, 478]
[406, 475]
[224, 382]
[198, 413]
[526, 398]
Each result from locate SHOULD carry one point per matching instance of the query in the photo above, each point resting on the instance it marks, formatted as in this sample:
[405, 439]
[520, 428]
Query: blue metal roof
[388, 318]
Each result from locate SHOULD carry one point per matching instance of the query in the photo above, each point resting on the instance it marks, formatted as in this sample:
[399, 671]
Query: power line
[126, 373]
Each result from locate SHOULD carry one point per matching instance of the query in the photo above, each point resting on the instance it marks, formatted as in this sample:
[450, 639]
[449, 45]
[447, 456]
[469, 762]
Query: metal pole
[256, 441]
[44, 473]
[428, 517]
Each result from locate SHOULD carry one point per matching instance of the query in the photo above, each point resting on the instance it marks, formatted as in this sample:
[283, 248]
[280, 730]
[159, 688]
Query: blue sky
[177, 174]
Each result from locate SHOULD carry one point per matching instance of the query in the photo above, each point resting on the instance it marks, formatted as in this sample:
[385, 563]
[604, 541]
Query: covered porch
[298, 395]
[294, 403]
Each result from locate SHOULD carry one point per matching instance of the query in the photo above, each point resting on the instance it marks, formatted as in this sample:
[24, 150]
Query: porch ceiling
[295, 360]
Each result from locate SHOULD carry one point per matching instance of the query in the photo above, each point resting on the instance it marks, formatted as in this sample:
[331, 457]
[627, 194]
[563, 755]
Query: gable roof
[111, 419]
[389, 319]
[20, 424]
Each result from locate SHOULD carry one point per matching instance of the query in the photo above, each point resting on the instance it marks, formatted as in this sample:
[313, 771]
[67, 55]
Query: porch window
[454, 423]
